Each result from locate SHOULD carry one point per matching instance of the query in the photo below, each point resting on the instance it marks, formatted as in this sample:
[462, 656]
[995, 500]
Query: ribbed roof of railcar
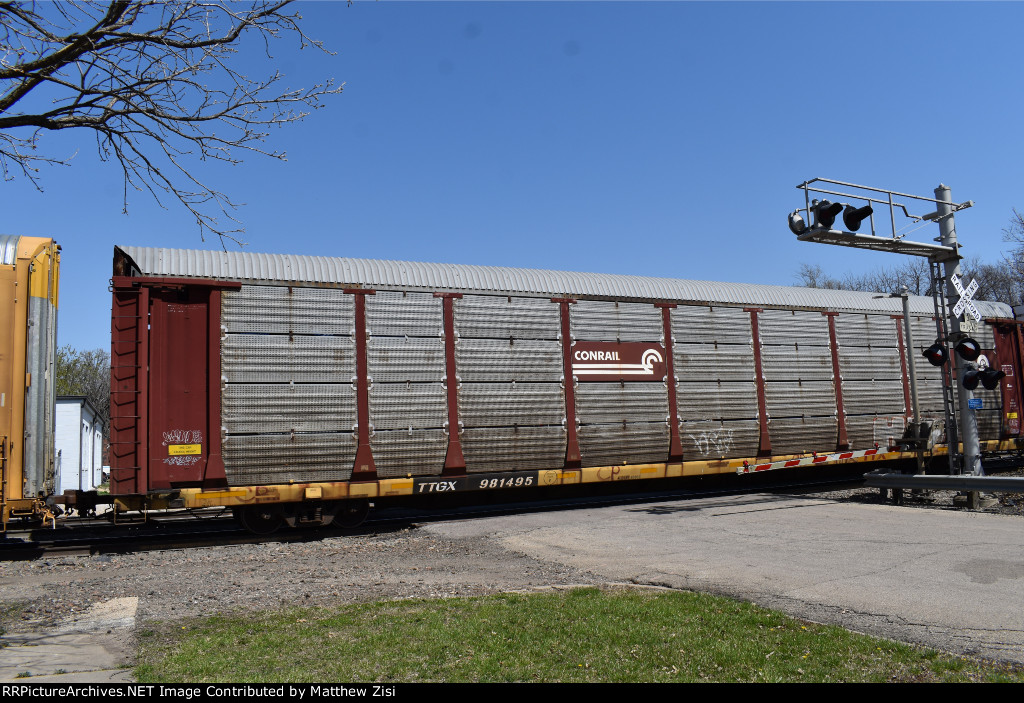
[259, 268]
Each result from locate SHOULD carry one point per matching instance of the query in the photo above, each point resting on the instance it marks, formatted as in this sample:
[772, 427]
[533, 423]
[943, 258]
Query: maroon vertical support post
[765, 445]
[572, 444]
[907, 404]
[454, 461]
[364, 469]
[675, 451]
[842, 442]
[215, 460]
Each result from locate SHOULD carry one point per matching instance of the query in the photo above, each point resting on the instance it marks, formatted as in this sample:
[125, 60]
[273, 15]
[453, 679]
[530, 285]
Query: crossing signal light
[968, 349]
[854, 216]
[825, 213]
[796, 223]
[936, 354]
[988, 377]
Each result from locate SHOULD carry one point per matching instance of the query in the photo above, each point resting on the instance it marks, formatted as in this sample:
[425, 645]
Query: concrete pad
[952, 580]
[90, 648]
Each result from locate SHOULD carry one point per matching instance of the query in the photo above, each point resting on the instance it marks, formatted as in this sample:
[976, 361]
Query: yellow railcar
[29, 276]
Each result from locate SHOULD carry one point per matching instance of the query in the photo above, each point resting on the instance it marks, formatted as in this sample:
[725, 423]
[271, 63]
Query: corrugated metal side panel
[867, 363]
[796, 399]
[280, 458]
[399, 406]
[854, 330]
[259, 358]
[506, 317]
[603, 403]
[520, 360]
[802, 435]
[603, 321]
[865, 431]
[287, 404]
[789, 327]
[405, 359]
[509, 363]
[400, 452]
[511, 404]
[700, 324]
[988, 423]
[717, 439]
[288, 309]
[985, 336]
[713, 362]
[924, 332]
[513, 448]
[635, 443]
[398, 314]
[406, 365]
[867, 397]
[717, 400]
[929, 392]
[281, 407]
[622, 422]
[796, 362]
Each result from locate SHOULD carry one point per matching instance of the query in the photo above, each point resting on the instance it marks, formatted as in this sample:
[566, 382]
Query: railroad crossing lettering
[965, 298]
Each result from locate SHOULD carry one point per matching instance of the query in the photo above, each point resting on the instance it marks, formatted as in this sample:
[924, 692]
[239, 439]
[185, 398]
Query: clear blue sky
[660, 139]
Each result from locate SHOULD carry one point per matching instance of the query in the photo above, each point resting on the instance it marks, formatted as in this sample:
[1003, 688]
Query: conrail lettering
[595, 356]
[437, 486]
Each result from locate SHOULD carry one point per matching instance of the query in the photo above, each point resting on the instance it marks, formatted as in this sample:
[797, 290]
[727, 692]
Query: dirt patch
[171, 585]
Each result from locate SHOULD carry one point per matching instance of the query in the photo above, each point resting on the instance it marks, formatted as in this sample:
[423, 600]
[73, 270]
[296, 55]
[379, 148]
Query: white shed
[78, 440]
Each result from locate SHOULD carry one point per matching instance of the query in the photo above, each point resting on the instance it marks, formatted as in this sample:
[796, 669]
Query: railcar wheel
[260, 519]
[352, 513]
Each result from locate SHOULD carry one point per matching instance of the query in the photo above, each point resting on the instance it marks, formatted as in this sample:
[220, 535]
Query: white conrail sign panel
[618, 361]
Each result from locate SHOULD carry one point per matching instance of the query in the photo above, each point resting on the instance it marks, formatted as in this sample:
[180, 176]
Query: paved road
[949, 579]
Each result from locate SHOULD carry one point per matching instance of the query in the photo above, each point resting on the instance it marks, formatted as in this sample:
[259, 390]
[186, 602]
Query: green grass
[585, 635]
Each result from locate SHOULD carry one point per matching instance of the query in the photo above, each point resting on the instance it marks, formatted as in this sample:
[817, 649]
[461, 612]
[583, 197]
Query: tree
[154, 81]
[1014, 259]
[85, 373]
[912, 273]
[997, 283]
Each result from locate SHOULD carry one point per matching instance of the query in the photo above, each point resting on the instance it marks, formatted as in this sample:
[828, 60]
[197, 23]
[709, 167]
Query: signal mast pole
[818, 228]
[968, 421]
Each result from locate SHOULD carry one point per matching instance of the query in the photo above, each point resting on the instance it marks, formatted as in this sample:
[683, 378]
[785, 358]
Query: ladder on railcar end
[127, 363]
[3, 485]
[948, 390]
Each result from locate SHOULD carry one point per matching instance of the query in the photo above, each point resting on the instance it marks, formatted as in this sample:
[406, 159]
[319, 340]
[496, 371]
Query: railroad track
[197, 529]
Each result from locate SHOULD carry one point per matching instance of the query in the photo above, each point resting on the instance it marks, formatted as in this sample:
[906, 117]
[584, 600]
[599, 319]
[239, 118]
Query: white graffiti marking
[181, 460]
[183, 437]
[713, 443]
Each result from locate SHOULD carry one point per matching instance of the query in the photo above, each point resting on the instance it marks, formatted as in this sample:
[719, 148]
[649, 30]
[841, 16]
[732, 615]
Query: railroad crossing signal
[966, 296]
[936, 354]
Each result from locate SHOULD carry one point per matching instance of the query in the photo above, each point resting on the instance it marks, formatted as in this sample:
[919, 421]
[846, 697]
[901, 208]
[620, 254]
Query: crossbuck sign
[965, 298]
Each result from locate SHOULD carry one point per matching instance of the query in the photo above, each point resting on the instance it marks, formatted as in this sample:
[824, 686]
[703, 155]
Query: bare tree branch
[155, 82]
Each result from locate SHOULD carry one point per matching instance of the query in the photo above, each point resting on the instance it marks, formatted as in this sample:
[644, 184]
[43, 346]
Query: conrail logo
[618, 361]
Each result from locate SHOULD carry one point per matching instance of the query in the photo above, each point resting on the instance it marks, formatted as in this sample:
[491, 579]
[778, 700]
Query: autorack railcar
[300, 388]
